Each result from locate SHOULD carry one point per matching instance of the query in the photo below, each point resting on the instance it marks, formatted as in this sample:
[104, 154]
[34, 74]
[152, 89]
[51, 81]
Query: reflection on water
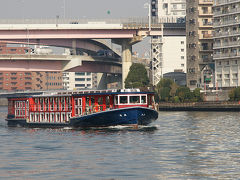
[179, 145]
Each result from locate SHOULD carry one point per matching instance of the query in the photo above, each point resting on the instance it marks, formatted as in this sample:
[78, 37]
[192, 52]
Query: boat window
[31, 117]
[63, 118]
[51, 102]
[68, 102]
[143, 99]
[41, 103]
[76, 101]
[116, 99]
[57, 117]
[92, 101]
[100, 100]
[42, 117]
[134, 99]
[47, 117]
[52, 117]
[57, 103]
[107, 101]
[46, 103]
[62, 103]
[123, 100]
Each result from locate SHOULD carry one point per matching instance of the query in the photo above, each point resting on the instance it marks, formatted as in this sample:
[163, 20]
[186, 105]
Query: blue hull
[124, 116]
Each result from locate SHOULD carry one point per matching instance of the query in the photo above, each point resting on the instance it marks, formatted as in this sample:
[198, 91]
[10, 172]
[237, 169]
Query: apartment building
[167, 8]
[199, 29]
[79, 80]
[15, 81]
[226, 42]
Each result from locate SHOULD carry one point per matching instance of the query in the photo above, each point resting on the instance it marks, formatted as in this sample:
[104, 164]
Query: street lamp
[64, 9]
[148, 5]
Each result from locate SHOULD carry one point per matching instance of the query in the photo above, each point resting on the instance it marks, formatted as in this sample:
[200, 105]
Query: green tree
[234, 94]
[184, 94]
[164, 93]
[164, 82]
[137, 76]
[197, 95]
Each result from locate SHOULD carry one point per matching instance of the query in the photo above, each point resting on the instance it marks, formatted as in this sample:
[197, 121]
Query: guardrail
[139, 21]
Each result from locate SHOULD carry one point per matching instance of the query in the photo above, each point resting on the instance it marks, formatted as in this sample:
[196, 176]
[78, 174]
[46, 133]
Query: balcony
[226, 34]
[226, 44]
[206, 24]
[226, 55]
[226, 23]
[206, 49]
[205, 1]
[207, 13]
[222, 2]
[229, 12]
[206, 36]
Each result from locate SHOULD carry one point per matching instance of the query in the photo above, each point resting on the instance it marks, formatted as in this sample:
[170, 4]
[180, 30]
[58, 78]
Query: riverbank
[200, 106]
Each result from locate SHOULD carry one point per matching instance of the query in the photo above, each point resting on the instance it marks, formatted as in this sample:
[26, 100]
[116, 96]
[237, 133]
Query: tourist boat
[82, 109]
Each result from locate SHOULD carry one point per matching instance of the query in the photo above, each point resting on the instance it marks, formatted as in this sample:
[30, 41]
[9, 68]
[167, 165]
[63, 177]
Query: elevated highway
[82, 34]
[74, 63]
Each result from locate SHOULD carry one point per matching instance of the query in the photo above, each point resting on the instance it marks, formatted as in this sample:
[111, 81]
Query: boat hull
[123, 116]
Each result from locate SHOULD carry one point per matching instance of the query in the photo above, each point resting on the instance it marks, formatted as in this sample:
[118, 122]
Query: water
[179, 145]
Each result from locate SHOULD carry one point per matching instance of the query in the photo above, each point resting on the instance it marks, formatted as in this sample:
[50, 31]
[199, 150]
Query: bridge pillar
[126, 60]
[74, 47]
[101, 80]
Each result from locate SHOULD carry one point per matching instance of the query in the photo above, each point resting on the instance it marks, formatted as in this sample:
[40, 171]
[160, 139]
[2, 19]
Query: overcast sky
[73, 8]
[27, 9]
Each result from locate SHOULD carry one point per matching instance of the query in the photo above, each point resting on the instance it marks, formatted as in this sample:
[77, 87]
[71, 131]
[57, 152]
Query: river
[179, 145]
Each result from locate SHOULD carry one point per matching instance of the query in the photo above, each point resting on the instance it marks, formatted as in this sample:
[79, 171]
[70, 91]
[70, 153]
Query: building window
[182, 42]
[79, 79]
[182, 57]
[193, 82]
[182, 65]
[80, 73]
[182, 50]
[226, 76]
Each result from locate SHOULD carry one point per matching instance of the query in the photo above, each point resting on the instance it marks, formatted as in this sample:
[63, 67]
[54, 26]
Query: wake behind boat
[82, 109]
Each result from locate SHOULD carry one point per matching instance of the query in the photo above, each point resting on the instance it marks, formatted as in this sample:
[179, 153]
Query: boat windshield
[131, 99]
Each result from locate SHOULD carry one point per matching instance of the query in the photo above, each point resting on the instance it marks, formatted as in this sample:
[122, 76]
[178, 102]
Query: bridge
[80, 34]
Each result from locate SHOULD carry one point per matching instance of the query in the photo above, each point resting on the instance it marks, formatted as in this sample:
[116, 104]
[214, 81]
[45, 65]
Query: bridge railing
[138, 21]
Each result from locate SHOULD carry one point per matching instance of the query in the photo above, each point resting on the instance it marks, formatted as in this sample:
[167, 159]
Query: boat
[95, 108]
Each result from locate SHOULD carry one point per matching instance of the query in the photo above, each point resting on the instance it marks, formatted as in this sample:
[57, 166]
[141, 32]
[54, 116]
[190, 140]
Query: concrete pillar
[126, 59]
[101, 80]
[74, 47]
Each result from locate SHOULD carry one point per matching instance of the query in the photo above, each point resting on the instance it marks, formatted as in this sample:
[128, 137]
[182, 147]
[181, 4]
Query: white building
[173, 50]
[167, 8]
[79, 80]
[174, 54]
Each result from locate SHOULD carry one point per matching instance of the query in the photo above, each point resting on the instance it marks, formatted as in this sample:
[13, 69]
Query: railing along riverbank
[200, 106]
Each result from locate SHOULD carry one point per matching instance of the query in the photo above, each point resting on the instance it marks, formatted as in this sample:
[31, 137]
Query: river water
[179, 145]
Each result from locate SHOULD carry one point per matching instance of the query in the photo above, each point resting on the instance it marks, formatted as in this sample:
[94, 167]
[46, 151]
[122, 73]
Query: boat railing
[37, 107]
[97, 108]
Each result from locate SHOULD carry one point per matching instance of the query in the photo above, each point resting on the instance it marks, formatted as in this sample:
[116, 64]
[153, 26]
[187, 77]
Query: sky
[73, 8]
[77, 9]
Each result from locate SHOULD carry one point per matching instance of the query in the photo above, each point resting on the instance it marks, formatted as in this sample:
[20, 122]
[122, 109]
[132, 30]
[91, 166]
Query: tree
[164, 89]
[137, 76]
[184, 94]
[234, 94]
